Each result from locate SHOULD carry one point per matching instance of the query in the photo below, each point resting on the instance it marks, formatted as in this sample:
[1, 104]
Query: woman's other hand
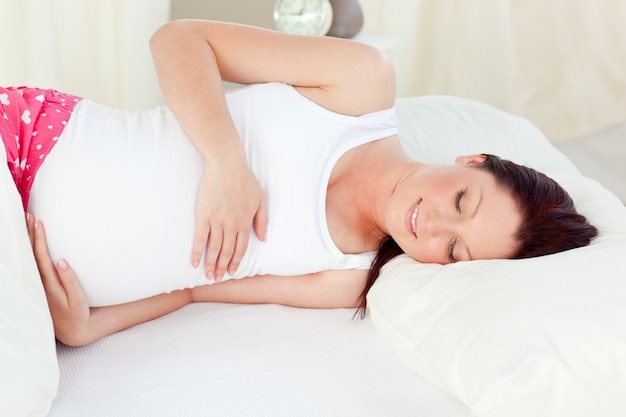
[230, 201]
[192, 58]
[77, 324]
[66, 300]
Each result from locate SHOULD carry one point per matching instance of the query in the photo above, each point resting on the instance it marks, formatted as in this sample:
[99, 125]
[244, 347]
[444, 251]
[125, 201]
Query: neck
[364, 183]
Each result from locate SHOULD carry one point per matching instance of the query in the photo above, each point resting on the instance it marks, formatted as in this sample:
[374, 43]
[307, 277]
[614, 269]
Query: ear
[470, 160]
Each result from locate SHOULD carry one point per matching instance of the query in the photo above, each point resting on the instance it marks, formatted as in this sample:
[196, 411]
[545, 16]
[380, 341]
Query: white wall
[95, 49]
[251, 12]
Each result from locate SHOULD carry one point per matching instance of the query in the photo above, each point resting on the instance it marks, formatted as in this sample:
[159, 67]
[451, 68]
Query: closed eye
[457, 206]
[457, 200]
[451, 251]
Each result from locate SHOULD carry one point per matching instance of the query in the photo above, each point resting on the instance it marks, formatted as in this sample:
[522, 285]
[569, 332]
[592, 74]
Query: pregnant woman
[295, 184]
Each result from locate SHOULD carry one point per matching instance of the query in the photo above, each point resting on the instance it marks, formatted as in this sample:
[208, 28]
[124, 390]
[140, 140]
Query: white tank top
[117, 192]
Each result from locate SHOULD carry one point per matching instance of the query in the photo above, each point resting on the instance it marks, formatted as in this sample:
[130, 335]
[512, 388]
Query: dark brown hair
[550, 223]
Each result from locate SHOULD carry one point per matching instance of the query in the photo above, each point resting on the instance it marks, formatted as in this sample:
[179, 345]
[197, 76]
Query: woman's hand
[75, 323]
[192, 58]
[66, 300]
[230, 201]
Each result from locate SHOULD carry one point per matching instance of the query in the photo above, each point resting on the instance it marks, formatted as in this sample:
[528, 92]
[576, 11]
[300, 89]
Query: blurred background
[559, 63]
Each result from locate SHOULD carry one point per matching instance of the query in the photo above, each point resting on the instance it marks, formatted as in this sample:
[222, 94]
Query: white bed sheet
[241, 360]
[238, 360]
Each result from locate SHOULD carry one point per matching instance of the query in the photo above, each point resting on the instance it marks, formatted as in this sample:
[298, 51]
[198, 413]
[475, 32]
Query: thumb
[261, 219]
[73, 291]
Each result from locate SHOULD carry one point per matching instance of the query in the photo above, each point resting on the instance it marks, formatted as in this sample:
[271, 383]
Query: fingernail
[28, 217]
[37, 225]
[209, 275]
[62, 264]
[195, 264]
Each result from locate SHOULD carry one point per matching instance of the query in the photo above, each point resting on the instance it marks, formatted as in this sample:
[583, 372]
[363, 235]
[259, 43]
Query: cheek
[441, 186]
[429, 251]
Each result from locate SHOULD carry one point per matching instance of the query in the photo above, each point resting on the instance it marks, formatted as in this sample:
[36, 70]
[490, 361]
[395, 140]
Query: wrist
[225, 157]
[220, 144]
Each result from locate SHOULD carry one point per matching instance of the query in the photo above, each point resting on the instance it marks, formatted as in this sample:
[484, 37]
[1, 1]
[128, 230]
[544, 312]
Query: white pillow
[540, 337]
[29, 372]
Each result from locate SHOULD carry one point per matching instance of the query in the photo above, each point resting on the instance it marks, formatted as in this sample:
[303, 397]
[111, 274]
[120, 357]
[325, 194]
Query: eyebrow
[480, 199]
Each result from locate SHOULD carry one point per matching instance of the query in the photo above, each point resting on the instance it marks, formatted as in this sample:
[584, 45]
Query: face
[445, 214]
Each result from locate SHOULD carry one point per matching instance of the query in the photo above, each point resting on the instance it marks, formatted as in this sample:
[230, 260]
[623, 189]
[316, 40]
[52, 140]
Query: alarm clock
[303, 17]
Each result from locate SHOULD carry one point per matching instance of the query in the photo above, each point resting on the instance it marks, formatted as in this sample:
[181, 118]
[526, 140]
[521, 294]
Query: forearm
[191, 83]
[107, 320]
[193, 57]
[327, 289]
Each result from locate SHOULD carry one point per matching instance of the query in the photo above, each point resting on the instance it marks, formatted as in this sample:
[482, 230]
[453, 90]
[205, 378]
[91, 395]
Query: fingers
[241, 245]
[224, 252]
[40, 249]
[214, 246]
[55, 291]
[30, 227]
[226, 208]
[226, 248]
[199, 242]
[75, 296]
[66, 301]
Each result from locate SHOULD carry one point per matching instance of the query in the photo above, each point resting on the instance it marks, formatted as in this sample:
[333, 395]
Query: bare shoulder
[363, 80]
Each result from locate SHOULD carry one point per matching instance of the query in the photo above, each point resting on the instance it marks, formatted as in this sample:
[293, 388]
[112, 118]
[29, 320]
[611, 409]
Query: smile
[411, 217]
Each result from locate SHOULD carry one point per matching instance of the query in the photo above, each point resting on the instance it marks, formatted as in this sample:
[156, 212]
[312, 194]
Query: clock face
[303, 17]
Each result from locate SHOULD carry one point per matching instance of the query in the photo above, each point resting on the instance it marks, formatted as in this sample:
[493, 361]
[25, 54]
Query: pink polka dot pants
[31, 121]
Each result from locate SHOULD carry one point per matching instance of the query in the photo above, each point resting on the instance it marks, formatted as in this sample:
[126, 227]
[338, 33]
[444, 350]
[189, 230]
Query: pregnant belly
[117, 198]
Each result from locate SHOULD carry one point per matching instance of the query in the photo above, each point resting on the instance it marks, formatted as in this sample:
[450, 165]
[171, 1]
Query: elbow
[158, 34]
[73, 339]
[171, 32]
[163, 33]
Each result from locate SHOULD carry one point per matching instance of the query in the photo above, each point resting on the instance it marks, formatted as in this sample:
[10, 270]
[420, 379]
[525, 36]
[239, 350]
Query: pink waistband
[31, 121]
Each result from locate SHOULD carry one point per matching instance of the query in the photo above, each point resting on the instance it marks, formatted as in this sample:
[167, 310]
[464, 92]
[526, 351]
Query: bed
[542, 337]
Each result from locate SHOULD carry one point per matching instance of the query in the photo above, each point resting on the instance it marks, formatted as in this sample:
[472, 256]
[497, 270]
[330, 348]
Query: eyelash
[457, 200]
[451, 251]
[457, 206]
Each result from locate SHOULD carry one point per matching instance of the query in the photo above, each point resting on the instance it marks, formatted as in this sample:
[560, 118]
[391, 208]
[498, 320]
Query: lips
[411, 217]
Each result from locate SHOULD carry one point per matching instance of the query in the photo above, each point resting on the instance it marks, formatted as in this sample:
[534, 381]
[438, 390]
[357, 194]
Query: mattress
[245, 360]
